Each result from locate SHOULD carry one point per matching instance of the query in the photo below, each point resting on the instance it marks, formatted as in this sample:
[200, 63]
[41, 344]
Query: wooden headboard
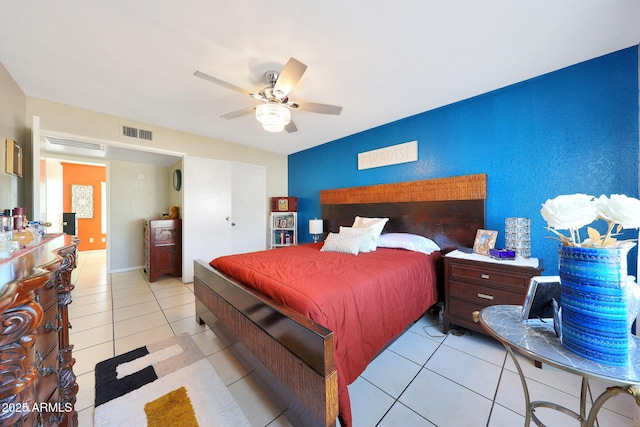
[447, 210]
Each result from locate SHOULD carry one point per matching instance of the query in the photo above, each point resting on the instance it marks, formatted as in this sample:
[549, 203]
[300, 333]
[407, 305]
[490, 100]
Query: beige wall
[76, 121]
[12, 125]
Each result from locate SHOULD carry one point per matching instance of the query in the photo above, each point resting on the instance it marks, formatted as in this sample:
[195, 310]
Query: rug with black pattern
[168, 383]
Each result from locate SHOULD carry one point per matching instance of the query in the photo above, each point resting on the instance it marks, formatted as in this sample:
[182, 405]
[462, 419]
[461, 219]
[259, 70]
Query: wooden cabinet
[473, 282]
[284, 229]
[162, 248]
[37, 383]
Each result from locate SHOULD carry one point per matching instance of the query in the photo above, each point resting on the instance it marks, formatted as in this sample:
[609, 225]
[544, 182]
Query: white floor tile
[478, 345]
[445, 403]
[415, 347]
[391, 372]
[91, 337]
[368, 403]
[131, 342]
[139, 324]
[188, 325]
[400, 415]
[511, 396]
[229, 369]
[181, 312]
[254, 403]
[503, 417]
[91, 321]
[468, 371]
[176, 299]
[87, 358]
[137, 310]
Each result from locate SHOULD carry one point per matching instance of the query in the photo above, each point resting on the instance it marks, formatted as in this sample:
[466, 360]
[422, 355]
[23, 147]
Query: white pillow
[375, 224]
[366, 233]
[343, 243]
[411, 242]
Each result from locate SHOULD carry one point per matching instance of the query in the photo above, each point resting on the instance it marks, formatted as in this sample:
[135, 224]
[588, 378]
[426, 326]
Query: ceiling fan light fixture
[274, 117]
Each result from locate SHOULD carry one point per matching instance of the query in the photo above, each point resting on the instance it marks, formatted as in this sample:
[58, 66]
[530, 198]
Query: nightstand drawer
[462, 311]
[482, 276]
[483, 295]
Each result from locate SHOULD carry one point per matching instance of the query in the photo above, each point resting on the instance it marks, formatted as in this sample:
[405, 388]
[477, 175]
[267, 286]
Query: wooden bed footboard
[291, 355]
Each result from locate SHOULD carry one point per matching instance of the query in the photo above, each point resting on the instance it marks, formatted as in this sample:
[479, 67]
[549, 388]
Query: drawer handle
[485, 296]
[43, 371]
[49, 327]
[484, 276]
[475, 316]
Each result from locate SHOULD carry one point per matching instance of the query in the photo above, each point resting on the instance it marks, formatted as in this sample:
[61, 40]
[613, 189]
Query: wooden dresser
[37, 383]
[162, 248]
[473, 282]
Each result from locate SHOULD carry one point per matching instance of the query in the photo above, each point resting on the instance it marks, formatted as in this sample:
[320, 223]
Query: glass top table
[538, 340]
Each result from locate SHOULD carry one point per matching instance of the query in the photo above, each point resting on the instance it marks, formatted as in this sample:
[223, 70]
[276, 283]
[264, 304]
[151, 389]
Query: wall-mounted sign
[393, 155]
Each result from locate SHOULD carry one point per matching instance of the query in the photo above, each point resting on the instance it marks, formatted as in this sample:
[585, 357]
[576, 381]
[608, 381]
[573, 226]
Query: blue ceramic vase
[594, 303]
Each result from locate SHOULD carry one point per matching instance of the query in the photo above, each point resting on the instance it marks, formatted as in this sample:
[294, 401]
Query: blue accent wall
[571, 131]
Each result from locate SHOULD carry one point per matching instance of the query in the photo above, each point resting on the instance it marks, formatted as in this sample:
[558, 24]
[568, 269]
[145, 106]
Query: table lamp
[315, 228]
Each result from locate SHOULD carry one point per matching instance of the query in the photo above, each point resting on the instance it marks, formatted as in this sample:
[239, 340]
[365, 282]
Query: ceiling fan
[275, 111]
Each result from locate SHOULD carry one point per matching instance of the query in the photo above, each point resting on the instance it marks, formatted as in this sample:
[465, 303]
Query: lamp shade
[315, 226]
[274, 117]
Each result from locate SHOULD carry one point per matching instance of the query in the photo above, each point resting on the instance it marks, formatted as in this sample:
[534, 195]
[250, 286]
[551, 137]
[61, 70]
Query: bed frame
[292, 356]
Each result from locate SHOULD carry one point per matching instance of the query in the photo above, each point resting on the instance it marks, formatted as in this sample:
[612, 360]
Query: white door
[224, 210]
[248, 208]
[206, 198]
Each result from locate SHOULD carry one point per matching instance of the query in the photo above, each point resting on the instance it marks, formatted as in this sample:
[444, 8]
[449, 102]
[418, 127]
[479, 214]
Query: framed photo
[13, 158]
[485, 240]
[538, 304]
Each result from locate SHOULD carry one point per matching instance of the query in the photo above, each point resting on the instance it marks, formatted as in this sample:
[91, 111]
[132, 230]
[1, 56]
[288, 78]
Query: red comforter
[365, 299]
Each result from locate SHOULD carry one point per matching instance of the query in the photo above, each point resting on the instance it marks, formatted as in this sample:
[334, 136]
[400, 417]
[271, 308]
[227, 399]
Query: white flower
[568, 212]
[572, 212]
[620, 209]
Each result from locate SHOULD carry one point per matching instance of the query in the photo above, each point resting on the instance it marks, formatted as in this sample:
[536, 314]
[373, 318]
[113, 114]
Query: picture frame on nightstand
[538, 304]
[485, 240]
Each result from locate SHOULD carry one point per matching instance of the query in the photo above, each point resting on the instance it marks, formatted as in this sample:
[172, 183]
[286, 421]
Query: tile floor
[422, 379]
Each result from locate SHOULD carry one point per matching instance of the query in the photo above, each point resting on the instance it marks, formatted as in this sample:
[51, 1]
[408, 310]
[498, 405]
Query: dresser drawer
[46, 333]
[47, 375]
[47, 295]
[164, 236]
[482, 276]
[483, 295]
[462, 311]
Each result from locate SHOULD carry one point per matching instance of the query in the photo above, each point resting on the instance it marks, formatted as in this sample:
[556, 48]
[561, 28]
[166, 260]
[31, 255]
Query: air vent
[129, 131]
[137, 133]
[145, 134]
[76, 144]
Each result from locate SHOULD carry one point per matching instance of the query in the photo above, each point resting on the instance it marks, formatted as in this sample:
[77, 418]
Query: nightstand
[474, 281]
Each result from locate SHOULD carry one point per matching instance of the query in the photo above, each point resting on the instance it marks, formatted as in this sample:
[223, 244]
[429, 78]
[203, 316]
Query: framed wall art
[82, 200]
[13, 158]
[485, 240]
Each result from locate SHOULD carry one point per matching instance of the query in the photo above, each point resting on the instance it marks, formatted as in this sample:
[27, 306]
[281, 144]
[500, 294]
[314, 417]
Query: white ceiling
[380, 60]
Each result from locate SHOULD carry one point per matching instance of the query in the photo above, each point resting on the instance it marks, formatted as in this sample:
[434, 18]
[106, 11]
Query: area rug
[168, 383]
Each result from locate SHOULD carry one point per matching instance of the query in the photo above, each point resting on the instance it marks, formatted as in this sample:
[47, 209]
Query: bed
[303, 364]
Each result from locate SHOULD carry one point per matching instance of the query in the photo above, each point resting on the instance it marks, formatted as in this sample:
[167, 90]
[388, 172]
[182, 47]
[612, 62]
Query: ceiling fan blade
[291, 127]
[319, 108]
[289, 77]
[238, 113]
[212, 79]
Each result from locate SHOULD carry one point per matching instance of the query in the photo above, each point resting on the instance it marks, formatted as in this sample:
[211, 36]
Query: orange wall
[88, 228]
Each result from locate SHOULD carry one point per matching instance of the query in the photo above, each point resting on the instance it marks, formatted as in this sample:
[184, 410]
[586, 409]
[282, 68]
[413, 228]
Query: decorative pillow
[411, 242]
[365, 233]
[343, 243]
[375, 224]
